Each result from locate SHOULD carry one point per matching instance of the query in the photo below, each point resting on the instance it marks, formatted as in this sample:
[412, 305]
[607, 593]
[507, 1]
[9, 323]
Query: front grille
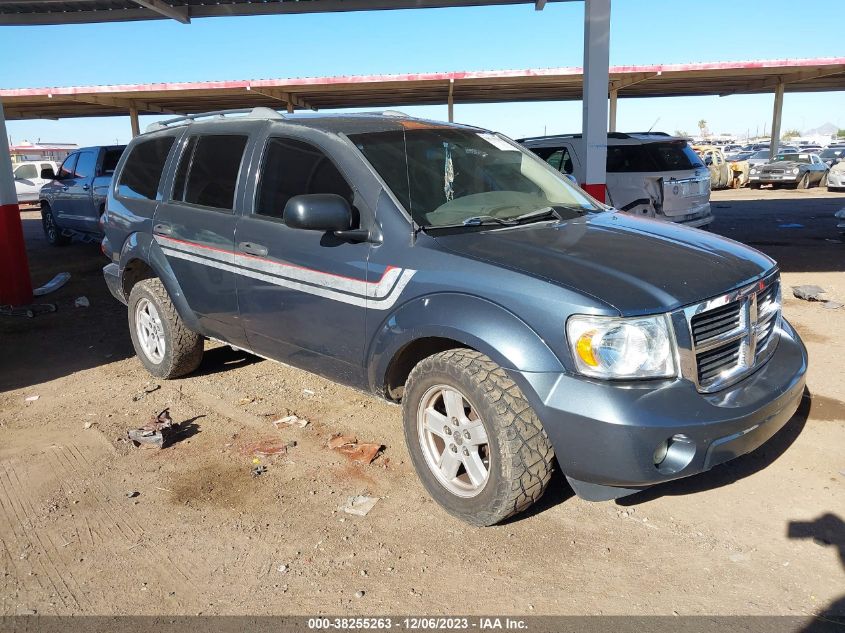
[734, 334]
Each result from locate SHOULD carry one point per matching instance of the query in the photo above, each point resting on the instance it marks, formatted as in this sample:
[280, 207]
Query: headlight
[795, 170]
[753, 171]
[611, 347]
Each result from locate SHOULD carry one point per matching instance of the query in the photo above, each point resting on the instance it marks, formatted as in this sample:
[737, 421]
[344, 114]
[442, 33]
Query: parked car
[715, 161]
[30, 176]
[794, 170]
[72, 203]
[836, 177]
[516, 319]
[759, 158]
[832, 155]
[652, 174]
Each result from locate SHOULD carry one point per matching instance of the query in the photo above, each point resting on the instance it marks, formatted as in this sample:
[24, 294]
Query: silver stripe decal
[371, 298]
[353, 286]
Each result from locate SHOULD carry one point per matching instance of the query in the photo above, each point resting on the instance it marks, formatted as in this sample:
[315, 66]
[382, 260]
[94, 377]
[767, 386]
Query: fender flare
[142, 247]
[472, 321]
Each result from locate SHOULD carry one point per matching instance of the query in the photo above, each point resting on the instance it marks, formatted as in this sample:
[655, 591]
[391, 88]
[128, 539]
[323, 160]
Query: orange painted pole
[15, 284]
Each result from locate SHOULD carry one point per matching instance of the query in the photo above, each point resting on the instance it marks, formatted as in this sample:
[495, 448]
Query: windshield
[792, 158]
[832, 153]
[761, 154]
[446, 176]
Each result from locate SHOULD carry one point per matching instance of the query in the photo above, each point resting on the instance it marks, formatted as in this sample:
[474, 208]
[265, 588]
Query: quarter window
[142, 172]
[291, 168]
[211, 175]
[66, 170]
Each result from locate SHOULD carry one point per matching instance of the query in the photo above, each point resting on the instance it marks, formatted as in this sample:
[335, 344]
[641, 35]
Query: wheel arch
[142, 258]
[433, 323]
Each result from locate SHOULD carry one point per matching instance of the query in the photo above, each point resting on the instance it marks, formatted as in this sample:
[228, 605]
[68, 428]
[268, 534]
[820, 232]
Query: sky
[472, 38]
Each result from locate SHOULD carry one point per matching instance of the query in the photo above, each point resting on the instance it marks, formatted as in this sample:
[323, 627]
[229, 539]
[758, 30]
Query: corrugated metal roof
[83, 11]
[545, 84]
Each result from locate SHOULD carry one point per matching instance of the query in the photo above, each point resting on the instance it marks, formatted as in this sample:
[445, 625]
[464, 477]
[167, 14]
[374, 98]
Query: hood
[783, 164]
[637, 266]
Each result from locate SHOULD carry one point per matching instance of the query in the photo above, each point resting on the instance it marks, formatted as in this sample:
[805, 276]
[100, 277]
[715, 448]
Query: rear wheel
[165, 346]
[476, 444]
[804, 183]
[52, 232]
[823, 181]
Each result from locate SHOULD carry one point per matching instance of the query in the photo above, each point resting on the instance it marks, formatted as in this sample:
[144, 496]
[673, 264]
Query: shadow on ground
[797, 229]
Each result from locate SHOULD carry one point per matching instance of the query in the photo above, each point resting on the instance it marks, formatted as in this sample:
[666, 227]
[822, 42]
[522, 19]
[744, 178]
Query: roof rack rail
[251, 113]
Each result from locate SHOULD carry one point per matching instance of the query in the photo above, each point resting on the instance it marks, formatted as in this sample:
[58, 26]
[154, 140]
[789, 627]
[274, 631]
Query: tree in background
[681, 133]
[840, 134]
[702, 126]
[790, 134]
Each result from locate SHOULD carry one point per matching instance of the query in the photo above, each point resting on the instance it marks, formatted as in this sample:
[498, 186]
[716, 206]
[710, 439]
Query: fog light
[674, 454]
[660, 452]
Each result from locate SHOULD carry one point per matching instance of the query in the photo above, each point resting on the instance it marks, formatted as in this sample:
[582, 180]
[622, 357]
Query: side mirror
[318, 212]
[708, 160]
[48, 174]
[572, 179]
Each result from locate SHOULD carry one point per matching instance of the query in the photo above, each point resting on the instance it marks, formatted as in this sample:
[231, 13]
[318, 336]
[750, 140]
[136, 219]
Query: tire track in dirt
[60, 567]
[16, 517]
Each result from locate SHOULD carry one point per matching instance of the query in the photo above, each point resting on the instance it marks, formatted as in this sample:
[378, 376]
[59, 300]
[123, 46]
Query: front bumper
[836, 179]
[774, 179]
[605, 434]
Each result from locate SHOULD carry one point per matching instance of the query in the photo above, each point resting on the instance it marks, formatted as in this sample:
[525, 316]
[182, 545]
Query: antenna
[652, 125]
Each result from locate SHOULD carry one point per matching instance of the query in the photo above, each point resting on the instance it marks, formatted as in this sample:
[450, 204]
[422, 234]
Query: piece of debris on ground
[259, 470]
[81, 302]
[291, 420]
[832, 305]
[154, 434]
[148, 388]
[51, 286]
[267, 447]
[359, 505]
[363, 453]
[32, 398]
[808, 293]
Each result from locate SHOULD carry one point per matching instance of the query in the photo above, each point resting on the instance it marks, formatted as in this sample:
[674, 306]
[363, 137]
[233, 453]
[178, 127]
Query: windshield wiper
[479, 220]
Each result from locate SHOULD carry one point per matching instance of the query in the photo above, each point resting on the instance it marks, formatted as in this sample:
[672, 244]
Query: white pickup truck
[28, 179]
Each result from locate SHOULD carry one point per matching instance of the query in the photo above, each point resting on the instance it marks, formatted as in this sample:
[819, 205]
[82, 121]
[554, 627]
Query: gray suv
[517, 320]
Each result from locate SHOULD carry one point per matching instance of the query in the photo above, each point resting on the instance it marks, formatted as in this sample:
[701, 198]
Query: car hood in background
[638, 266]
[784, 164]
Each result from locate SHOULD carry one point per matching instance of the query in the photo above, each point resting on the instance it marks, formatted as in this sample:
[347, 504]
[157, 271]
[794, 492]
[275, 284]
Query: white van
[28, 180]
[650, 174]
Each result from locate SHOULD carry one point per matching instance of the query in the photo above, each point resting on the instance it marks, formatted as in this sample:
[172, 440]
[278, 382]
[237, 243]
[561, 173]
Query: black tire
[520, 455]
[52, 233]
[754, 185]
[183, 348]
[804, 183]
[823, 181]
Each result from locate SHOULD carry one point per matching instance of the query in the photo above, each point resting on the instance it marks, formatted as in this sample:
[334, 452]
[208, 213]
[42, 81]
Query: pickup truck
[73, 201]
[30, 177]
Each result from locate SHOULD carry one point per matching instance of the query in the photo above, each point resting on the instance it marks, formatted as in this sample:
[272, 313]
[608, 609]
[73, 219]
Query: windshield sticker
[497, 142]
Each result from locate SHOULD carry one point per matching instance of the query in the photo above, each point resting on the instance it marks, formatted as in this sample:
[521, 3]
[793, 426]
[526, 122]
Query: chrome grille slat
[733, 335]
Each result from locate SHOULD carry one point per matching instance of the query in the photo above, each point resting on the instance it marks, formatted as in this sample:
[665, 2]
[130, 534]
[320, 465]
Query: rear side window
[142, 172]
[208, 171]
[291, 168]
[86, 165]
[672, 156]
[26, 172]
[110, 160]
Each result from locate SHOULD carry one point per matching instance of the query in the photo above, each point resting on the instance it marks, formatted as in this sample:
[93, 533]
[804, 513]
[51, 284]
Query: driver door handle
[253, 249]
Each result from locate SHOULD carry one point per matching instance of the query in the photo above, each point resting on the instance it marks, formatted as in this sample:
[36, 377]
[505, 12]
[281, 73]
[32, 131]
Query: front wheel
[165, 346]
[52, 232]
[476, 444]
[804, 183]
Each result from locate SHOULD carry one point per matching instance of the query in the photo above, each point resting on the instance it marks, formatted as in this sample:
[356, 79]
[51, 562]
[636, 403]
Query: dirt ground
[761, 535]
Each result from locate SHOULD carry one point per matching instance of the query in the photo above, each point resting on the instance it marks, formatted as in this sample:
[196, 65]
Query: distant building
[41, 151]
